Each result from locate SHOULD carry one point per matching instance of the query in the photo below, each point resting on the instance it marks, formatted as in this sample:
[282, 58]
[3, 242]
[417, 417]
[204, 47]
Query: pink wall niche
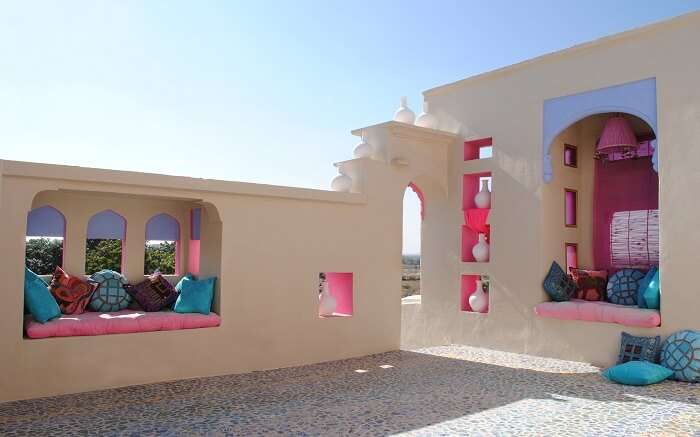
[340, 285]
[472, 148]
[471, 184]
[468, 287]
[570, 207]
[571, 254]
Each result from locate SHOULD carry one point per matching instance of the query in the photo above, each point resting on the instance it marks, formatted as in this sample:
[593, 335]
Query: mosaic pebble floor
[439, 391]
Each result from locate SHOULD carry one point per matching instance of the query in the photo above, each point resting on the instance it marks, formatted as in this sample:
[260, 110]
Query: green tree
[103, 254]
[43, 255]
[160, 257]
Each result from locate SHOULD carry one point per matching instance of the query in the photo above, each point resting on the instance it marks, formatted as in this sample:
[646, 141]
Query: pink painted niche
[468, 287]
[471, 184]
[478, 149]
[340, 286]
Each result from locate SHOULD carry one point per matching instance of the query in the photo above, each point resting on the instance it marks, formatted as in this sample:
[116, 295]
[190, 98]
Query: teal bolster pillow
[38, 298]
[652, 295]
[196, 296]
[637, 373]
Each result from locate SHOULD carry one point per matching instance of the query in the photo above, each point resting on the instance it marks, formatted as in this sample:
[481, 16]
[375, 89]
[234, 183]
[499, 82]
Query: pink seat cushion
[119, 322]
[605, 312]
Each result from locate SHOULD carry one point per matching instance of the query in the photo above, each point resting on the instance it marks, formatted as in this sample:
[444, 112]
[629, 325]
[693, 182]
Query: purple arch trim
[163, 227]
[107, 225]
[195, 223]
[46, 221]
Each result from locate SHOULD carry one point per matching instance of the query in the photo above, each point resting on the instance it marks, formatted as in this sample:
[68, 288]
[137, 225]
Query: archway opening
[413, 213]
[104, 246]
[46, 231]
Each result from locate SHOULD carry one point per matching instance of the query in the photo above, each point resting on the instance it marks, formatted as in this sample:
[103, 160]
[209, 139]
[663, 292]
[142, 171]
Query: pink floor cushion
[605, 312]
[119, 322]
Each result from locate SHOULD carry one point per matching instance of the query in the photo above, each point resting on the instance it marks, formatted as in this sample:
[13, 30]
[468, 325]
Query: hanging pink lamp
[617, 138]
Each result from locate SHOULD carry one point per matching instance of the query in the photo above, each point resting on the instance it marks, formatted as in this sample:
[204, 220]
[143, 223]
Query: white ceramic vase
[483, 197]
[404, 113]
[481, 249]
[426, 119]
[363, 149]
[327, 303]
[479, 300]
[342, 183]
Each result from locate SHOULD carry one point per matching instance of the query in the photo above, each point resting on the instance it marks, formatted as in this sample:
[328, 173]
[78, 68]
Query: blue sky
[256, 91]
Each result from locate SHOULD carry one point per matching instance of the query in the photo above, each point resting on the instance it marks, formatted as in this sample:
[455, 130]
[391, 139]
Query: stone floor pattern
[439, 391]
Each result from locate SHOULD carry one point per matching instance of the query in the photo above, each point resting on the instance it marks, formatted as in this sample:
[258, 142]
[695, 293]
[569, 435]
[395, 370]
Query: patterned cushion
[110, 295]
[634, 348]
[681, 353]
[623, 285]
[72, 293]
[590, 284]
[154, 293]
[558, 285]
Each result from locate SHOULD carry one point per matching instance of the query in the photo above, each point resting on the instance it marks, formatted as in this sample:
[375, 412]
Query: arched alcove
[45, 239]
[163, 245]
[104, 247]
[413, 216]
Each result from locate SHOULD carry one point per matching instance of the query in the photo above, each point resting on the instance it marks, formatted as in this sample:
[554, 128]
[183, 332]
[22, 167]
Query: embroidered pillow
[154, 293]
[72, 293]
[110, 295]
[634, 348]
[681, 353]
[590, 284]
[623, 286]
[558, 285]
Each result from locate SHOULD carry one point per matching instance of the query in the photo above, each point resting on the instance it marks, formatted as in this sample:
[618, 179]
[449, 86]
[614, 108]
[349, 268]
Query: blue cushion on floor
[38, 298]
[652, 294]
[643, 284]
[637, 373]
[196, 296]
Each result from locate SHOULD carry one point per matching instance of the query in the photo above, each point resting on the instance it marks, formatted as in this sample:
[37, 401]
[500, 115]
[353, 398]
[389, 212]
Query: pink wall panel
[340, 285]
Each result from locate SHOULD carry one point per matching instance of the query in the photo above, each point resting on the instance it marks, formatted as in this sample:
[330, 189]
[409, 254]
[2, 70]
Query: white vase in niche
[481, 249]
[404, 113]
[426, 119]
[478, 300]
[342, 183]
[363, 149]
[327, 302]
[483, 197]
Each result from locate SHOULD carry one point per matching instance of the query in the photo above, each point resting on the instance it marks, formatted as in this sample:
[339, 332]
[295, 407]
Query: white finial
[342, 182]
[426, 119]
[363, 149]
[404, 114]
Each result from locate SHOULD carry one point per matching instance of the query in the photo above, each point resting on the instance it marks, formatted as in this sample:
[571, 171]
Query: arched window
[413, 215]
[104, 247]
[46, 232]
[162, 245]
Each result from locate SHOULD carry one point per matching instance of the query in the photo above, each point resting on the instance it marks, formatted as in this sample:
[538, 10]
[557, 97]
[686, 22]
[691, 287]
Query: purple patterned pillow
[154, 293]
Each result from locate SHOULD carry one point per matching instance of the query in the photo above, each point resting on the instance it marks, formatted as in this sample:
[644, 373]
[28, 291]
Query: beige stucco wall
[526, 222]
[266, 244]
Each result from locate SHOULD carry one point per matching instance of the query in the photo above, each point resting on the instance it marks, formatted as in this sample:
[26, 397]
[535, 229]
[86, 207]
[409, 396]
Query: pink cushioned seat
[605, 312]
[120, 322]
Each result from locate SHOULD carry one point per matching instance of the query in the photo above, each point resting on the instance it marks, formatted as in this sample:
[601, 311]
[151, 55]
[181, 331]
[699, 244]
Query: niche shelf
[468, 287]
[476, 220]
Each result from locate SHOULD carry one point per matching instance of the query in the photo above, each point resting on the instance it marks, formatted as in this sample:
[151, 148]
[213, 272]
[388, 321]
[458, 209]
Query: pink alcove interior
[468, 287]
[340, 285]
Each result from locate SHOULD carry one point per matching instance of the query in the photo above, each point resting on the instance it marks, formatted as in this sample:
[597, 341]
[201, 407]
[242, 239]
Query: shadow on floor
[385, 394]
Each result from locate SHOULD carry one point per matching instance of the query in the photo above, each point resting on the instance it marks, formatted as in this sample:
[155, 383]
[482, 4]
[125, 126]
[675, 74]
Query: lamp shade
[617, 137]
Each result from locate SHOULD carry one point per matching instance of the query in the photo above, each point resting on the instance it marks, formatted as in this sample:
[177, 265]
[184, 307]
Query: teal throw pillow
[196, 296]
[643, 284]
[178, 286]
[652, 295]
[637, 373]
[38, 298]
